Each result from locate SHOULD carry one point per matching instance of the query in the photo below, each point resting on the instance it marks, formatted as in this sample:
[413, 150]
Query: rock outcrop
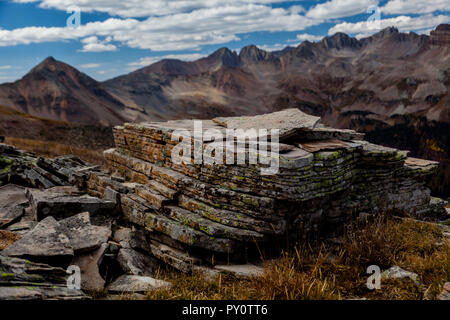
[198, 215]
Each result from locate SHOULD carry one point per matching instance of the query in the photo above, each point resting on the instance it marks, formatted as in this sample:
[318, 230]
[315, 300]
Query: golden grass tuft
[330, 271]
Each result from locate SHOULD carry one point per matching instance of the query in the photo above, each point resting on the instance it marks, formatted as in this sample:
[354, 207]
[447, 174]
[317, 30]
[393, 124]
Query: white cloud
[5, 67]
[415, 6]
[146, 61]
[309, 37]
[90, 65]
[273, 47]
[144, 8]
[181, 31]
[403, 23]
[335, 9]
[93, 44]
[98, 47]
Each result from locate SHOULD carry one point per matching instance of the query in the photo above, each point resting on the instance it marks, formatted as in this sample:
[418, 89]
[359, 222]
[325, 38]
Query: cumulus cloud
[309, 37]
[90, 65]
[335, 9]
[415, 6]
[181, 31]
[273, 47]
[403, 23]
[144, 8]
[93, 44]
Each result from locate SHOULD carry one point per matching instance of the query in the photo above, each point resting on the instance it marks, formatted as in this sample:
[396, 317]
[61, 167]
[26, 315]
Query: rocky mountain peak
[226, 57]
[386, 32]
[252, 53]
[339, 41]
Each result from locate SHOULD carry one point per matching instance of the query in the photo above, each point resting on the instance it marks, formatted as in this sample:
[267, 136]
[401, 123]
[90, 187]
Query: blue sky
[116, 37]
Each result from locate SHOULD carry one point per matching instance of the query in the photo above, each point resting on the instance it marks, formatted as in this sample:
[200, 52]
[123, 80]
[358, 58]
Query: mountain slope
[389, 73]
[57, 91]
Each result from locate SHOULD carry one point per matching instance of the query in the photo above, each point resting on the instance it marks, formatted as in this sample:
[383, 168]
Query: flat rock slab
[242, 270]
[12, 204]
[416, 163]
[89, 264]
[324, 145]
[84, 236]
[61, 205]
[288, 121]
[136, 284]
[7, 238]
[45, 243]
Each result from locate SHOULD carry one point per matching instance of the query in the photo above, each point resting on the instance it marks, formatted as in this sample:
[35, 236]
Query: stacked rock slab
[201, 214]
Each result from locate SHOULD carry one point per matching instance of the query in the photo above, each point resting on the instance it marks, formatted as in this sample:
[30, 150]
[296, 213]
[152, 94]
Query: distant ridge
[386, 74]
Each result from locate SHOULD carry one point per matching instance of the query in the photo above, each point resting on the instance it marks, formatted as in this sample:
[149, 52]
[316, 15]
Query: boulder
[136, 284]
[45, 243]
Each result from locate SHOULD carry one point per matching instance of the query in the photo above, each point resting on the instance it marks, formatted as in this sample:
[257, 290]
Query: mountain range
[339, 78]
[392, 85]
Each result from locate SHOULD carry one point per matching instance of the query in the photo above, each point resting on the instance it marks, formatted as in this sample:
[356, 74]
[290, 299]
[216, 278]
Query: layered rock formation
[199, 215]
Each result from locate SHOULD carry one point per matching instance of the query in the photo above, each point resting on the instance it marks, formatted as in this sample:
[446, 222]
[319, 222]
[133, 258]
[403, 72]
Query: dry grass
[53, 149]
[7, 238]
[335, 271]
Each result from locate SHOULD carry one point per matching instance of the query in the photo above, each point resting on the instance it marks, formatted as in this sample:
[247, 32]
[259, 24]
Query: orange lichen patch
[433, 145]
